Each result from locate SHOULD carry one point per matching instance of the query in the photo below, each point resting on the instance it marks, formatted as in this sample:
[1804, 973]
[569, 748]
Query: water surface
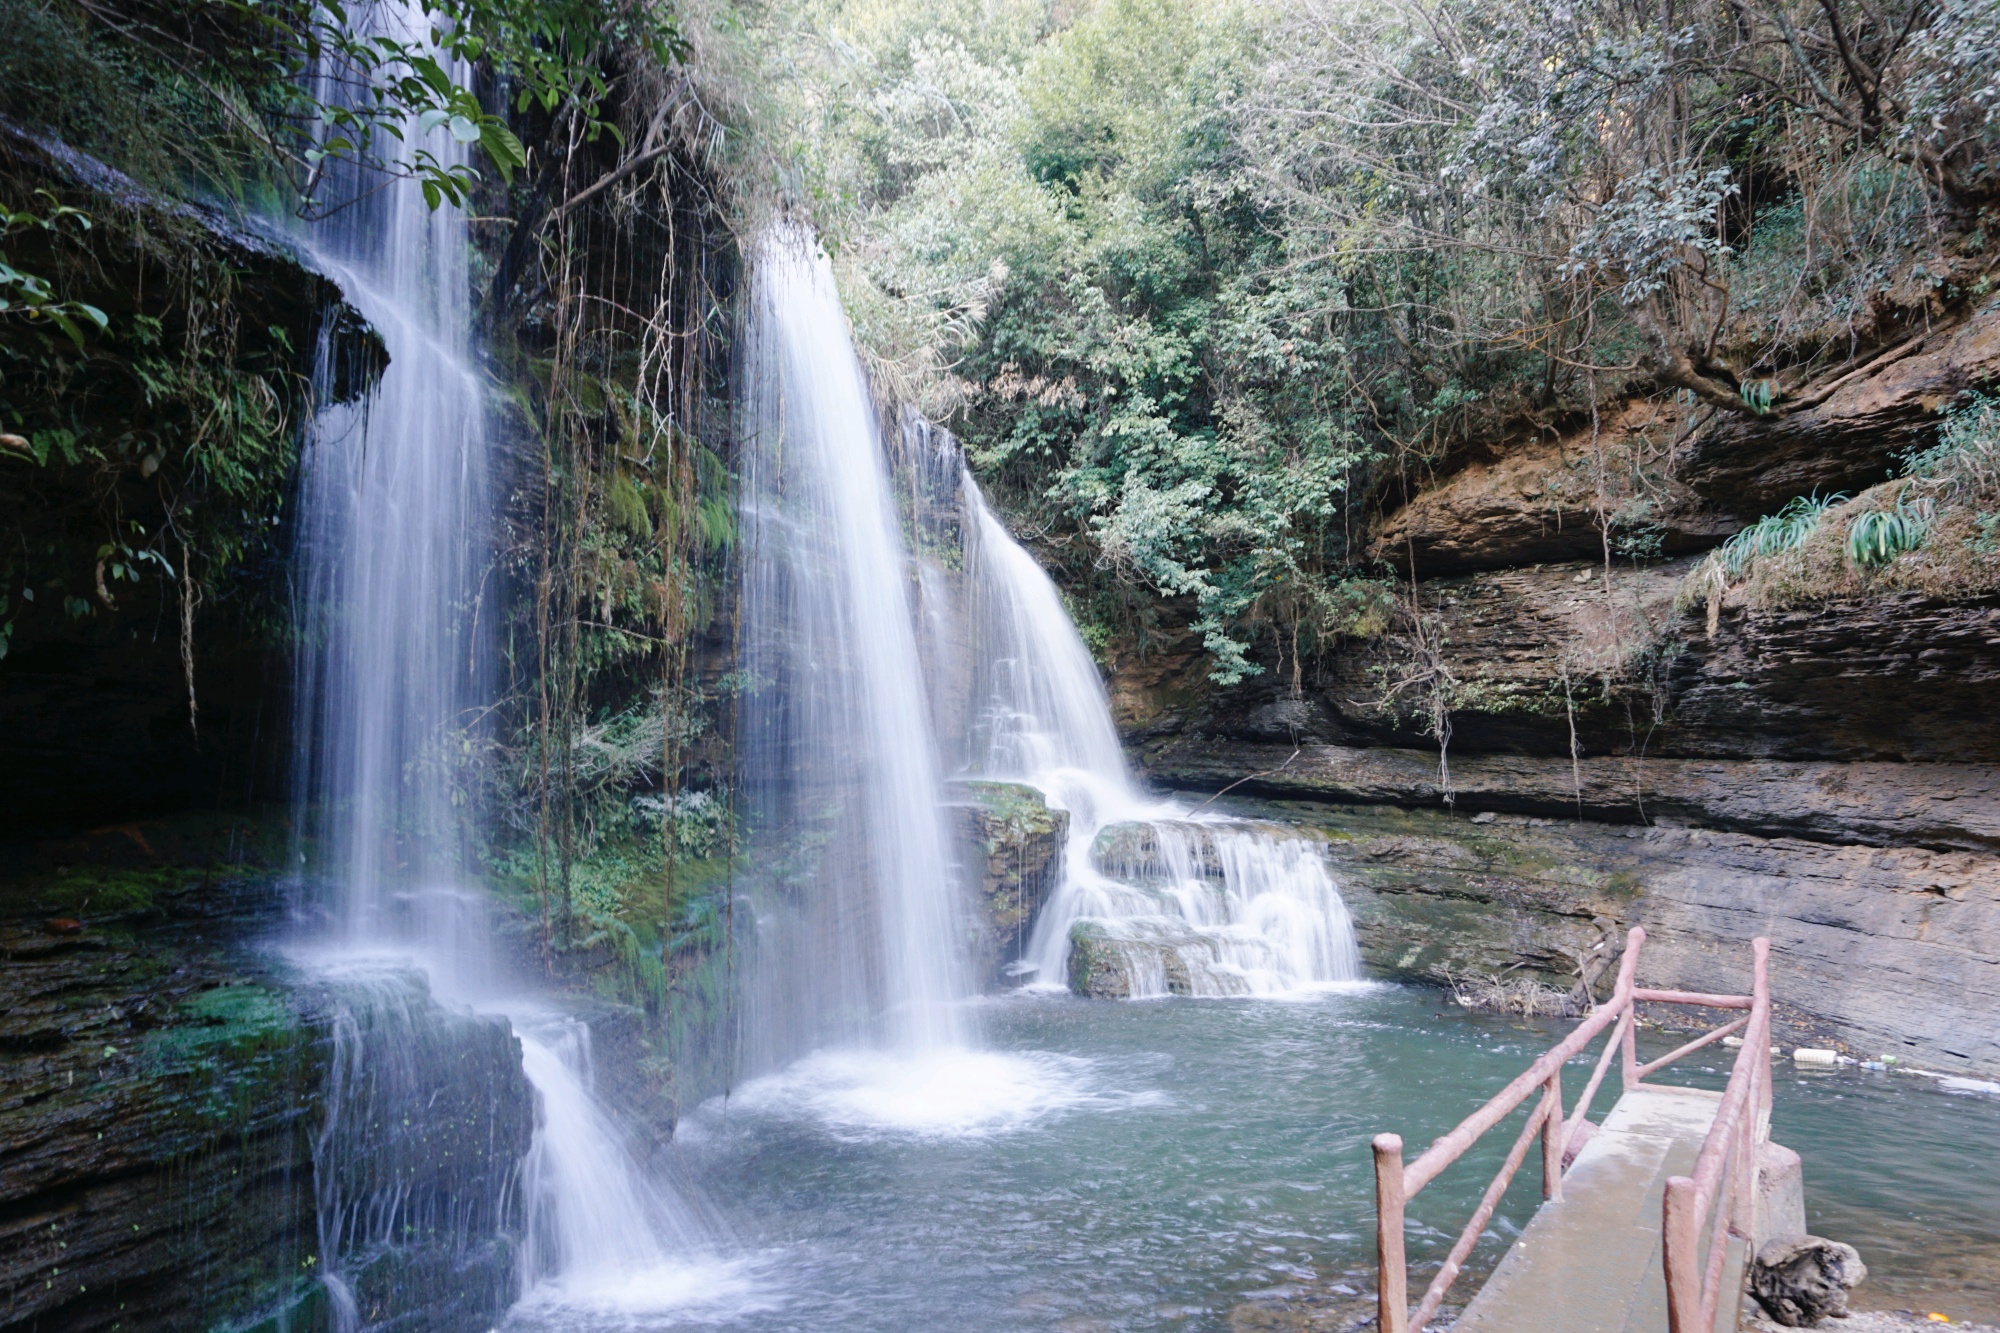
[1197, 1164]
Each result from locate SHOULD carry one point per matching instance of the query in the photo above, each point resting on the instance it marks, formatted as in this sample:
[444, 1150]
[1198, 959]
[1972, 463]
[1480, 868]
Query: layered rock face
[159, 1118]
[1823, 767]
[190, 1140]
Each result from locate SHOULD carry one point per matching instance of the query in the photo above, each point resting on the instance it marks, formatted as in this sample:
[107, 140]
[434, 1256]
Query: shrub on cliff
[1203, 280]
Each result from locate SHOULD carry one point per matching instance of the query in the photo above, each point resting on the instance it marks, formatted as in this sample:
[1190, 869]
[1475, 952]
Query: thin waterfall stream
[431, 1026]
[856, 1002]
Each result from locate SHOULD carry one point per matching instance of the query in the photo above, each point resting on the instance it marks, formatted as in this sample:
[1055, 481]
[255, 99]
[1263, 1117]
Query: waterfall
[433, 1142]
[857, 940]
[1175, 903]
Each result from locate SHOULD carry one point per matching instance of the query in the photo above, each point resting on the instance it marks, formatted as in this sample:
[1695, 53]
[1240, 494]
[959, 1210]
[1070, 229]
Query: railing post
[1681, 1255]
[1628, 973]
[1760, 1004]
[1628, 1049]
[1552, 1137]
[1392, 1282]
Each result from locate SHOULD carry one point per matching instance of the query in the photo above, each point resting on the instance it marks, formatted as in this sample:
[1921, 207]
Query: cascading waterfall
[1187, 905]
[394, 560]
[857, 939]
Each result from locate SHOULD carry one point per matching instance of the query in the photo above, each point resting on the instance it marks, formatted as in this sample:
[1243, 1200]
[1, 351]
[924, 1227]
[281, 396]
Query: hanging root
[190, 598]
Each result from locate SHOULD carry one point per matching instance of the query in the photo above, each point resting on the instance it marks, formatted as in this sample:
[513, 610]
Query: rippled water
[1191, 1164]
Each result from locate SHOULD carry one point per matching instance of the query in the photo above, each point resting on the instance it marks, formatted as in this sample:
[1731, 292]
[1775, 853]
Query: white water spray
[1200, 905]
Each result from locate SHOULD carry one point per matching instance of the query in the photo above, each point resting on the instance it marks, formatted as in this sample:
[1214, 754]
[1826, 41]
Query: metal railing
[1720, 1194]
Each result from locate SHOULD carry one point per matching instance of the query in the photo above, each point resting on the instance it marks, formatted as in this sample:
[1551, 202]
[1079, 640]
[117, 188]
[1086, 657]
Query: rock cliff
[172, 1159]
[1570, 726]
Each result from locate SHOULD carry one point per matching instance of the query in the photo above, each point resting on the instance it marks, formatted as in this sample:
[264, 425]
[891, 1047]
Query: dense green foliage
[1201, 281]
[154, 357]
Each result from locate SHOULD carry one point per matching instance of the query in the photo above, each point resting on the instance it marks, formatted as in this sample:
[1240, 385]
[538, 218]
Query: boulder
[1106, 966]
[1011, 843]
[1802, 1280]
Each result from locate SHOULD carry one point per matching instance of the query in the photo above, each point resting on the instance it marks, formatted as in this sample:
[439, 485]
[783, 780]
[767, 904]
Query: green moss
[1002, 798]
[1013, 811]
[304, 1306]
[1092, 964]
[102, 892]
[240, 1023]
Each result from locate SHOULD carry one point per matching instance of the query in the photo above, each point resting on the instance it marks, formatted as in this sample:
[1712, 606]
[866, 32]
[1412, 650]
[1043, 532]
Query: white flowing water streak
[609, 1243]
[1191, 905]
[858, 938]
[396, 503]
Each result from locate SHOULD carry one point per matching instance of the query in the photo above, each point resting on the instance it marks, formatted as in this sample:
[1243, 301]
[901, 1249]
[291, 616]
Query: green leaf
[502, 147]
[67, 325]
[432, 73]
[463, 130]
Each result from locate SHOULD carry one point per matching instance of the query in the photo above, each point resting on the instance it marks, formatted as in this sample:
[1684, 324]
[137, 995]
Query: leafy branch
[30, 296]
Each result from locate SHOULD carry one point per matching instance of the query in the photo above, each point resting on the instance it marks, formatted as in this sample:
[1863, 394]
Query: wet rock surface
[1108, 966]
[427, 1117]
[163, 1157]
[158, 1117]
[1012, 844]
[1434, 894]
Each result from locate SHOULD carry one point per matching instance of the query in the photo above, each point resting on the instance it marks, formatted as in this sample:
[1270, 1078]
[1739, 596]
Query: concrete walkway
[1590, 1263]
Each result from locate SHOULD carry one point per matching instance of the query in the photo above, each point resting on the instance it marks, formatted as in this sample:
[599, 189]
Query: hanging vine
[611, 309]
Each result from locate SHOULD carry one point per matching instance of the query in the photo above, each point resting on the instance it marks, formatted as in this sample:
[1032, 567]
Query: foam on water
[697, 1290]
[953, 1092]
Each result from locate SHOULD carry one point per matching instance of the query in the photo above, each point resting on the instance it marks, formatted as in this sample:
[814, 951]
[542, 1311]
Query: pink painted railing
[1717, 1198]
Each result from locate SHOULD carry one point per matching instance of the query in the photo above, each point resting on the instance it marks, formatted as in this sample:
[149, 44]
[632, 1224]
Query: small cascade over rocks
[1250, 909]
[427, 1118]
[1155, 899]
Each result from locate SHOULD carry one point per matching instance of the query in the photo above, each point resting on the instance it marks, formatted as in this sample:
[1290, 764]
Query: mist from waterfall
[1189, 903]
[396, 591]
[858, 936]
